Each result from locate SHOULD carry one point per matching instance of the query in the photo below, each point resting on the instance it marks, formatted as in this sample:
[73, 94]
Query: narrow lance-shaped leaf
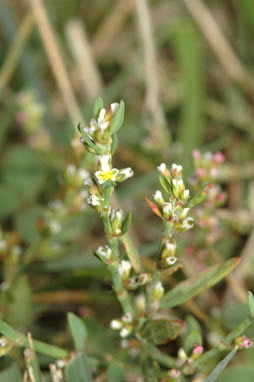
[193, 338]
[117, 119]
[98, 104]
[126, 223]
[78, 331]
[221, 366]
[114, 143]
[188, 289]
[86, 137]
[199, 196]
[40, 347]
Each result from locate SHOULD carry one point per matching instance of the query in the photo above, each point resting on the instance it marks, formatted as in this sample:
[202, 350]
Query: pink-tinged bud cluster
[175, 373]
[243, 342]
[207, 165]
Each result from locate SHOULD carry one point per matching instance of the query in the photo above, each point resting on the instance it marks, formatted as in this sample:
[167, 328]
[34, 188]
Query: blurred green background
[185, 71]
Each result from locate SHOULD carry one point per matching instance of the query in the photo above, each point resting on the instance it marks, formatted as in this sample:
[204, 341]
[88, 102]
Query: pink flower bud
[175, 373]
[196, 154]
[197, 350]
[218, 158]
[201, 172]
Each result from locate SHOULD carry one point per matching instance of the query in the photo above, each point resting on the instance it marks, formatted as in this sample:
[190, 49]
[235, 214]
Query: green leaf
[192, 324]
[114, 143]
[126, 224]
[23, 175]
[233, 313]
[221, 366]
[188, 289]
[40, 347]
[78, 370]
[12, 374]
[115, 372]
[117, 119]
[19, 304]
[86, 137]
[98, 104]
[78, 331]
[251, 303]
[165, 184]
[162, 331]
[189, 51]
[25, 223]
[198, 197]
[193, 338]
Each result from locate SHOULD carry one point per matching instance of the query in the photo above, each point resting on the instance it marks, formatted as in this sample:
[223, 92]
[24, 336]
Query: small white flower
[60, 363]
[125, 331]
[167, 210]
[106, 172]
[158, 291]
[82, 174]
[178, 186]
[170, 246]
[171, 260]
[176, 169]
[104, 252]
[71, 169]
[114, 107]
[185, 195]
[116, 324]
[104, 161]
[54, 226]
[187, 223]
[184, 213]
[162, 168]
[3, 342]
[124, 174]
[124, 269]
[94, 200]
[158, 198]
[127, 318]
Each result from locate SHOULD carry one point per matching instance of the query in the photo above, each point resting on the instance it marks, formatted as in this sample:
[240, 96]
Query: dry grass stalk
[55, 58]
[83, 56]
[221, 47]
[15, 51]
[110, 28]
[157, 127]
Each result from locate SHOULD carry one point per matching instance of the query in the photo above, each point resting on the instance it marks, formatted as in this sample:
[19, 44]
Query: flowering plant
[147, 293]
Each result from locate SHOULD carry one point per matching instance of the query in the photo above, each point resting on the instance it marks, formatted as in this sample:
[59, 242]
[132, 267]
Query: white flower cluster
[125, 325]
[106, 172]
[98, 131]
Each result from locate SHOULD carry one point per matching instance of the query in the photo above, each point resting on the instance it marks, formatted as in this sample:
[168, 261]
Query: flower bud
[124, 269]
[104, 253]
[124, 174]
[186, 224]
[185, 195]
[176, 170]
[167, 210]
[144, 278]
[178, 187]
[171, 260]
[126, 330]
[116, 218]
[158, 198]
[174, 373]
[169, 249]
[95, 200]
[158, 291]
[127, 318]
[116, 324]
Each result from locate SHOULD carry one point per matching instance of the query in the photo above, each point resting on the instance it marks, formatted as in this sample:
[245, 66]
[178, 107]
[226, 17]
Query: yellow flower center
[107, 175]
